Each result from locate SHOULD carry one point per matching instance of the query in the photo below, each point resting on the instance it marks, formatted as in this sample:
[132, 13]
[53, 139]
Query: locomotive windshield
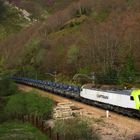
[139, 97]
[132, 98]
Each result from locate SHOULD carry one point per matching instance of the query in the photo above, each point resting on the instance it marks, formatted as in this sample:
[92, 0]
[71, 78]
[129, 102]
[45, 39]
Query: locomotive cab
[135, 95]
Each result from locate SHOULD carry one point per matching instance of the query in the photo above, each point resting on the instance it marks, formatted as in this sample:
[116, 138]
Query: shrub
[109, 77]
[128, 71]
[75, 129]
[7, 86]
[2, 10]
[29, 103]
[20, 131]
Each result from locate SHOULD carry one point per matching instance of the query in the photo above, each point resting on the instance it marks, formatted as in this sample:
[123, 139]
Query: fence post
[107, 113]
[32, 119]
[22, 117]
[42, 125]
[18, 116]
[36, 121]
[28, 118]
[57, 136]
[50, 133]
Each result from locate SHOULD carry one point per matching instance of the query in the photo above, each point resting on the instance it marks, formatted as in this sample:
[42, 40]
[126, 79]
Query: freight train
[123, 101]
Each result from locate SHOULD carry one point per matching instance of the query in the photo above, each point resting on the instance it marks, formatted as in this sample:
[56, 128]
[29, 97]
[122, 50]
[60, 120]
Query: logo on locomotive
[102, 96]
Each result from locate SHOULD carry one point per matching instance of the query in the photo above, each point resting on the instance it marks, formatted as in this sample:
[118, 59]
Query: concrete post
[107, 113]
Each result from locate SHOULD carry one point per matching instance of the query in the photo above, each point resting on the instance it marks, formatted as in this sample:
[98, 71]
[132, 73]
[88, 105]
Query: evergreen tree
[128, 72]
[2, 10]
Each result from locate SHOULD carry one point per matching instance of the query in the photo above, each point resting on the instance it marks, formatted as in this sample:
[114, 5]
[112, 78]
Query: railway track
[73, 92]
[100, 112]
[102, 106]
[117, 124]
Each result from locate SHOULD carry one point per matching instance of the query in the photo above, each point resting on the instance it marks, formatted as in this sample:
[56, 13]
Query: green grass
[64, 32]
[18, 131]
[100, 17]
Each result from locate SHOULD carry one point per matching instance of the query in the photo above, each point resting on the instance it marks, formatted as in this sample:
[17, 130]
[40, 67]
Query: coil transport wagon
[126, 102]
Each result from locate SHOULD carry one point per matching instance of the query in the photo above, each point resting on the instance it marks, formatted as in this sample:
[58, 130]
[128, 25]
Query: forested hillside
[77, 36]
